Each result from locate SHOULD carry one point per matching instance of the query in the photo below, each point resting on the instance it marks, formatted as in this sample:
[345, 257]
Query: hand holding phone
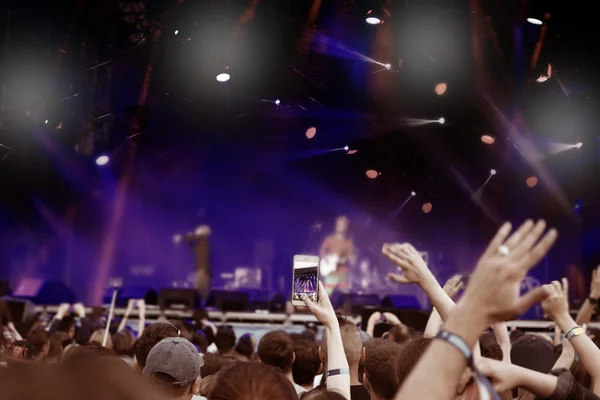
[305, 279]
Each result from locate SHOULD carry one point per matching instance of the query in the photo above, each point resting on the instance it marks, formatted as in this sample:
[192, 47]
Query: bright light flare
[388, 66]
[372, 174]
[578, 145]
[223, 77]
[531, 181]
[373, 20]
[277, 102]
[311, 132]
[534, 21]
[488, 139]
[426, 208]
[492, 171]
[442, 120]
[46, 122]
[176, 32]
[102, 160]
[346, 148]
[441, 88]
[413, 194]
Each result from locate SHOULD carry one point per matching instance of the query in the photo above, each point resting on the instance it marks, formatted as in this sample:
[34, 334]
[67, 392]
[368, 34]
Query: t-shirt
[359, 392]
[299, 390]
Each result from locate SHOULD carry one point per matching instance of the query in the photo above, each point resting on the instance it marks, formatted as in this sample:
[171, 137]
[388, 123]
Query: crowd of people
[465, 352]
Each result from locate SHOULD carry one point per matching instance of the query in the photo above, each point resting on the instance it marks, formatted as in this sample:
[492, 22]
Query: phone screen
[306, 281]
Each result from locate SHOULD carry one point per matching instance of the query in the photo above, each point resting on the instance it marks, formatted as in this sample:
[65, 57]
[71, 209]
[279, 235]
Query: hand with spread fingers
[494, 287]
[322, 310]
[411, 266]
[453, 286]
[556, 304]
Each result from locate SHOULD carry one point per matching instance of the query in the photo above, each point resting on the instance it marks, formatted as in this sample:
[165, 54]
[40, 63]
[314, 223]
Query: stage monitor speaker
[186, 299]
[19, 309]
[228, 301]
[401, 301]
[44, 292]
[414, 319]
[353, 304]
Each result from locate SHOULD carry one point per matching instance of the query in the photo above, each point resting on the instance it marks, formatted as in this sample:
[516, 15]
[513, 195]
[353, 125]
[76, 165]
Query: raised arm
[452, 287]
[588, 307]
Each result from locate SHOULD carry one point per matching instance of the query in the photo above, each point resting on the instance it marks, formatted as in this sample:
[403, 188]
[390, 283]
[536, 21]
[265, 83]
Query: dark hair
[322, 394]
[66, 323]
[410, 355]
[244, 346]
[213, 364]
[123, 343]
[400, 333]
[83, 355]
[489, 347]
[225, 339]
[38, 338]
[252, 381]
[277, 349]
[380, 368]
[200, 341]
[307, 362]
[150, 337]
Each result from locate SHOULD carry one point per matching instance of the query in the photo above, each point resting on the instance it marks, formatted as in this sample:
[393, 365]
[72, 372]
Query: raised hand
[453, 286]
[322, 309]
[493, 291]
[595, 284]
[556, 303]
[504, 376]
[411, 266]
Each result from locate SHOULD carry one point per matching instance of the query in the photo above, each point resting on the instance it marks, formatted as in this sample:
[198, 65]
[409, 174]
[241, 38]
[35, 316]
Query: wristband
[593, 300]
[458, 343]
[342, 371]
[575, 331]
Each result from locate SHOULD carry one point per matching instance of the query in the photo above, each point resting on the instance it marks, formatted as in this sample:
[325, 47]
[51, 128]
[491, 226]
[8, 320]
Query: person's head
[307, 363]
[206, 385]
[39, 339]
[489, 347]
[174, 365]
[252, 381]
[213, 364]
[55, 350]
[352, 341]
[399, 334]
[98, 337]
[276, 348]
[200, 341]
[341, 224]
[322, 394]
[81, 356]
[150, 337]
[411, 353]
[225, 339]
[122, 343]
[533, 352]
[381, 378]
[245, 346]
[67, 325]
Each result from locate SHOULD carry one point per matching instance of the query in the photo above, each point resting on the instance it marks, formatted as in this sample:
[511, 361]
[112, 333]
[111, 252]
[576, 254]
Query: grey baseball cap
[176, 357]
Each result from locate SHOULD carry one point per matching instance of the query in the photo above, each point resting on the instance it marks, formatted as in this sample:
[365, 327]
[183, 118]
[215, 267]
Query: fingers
[397, 278]
[526, 301]
[497, 240]
[513, 242]
[540, 249]
[393, 257]
[565, 287]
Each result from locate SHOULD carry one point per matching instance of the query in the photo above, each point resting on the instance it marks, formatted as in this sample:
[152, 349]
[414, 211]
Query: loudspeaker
[44, 292]
[125, 294]
[228, 301]
[187, 299]
[353, 304]
[4, 289]
[415, 319]
[399, 301]
[277, 303]
[19, 309]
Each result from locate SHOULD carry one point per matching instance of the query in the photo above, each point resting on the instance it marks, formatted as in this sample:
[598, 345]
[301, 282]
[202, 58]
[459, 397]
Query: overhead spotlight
[442, 120]
[102, 160]
[46, 122]
[346, 148]
[492, 171]
[413, 194]
[426, 208]
[372, 174]
[534, 21]
[353, 151]
[488, 139]
[441, 88]
[578, 145]
[277, 102]
[224, 76]
[311, 132]
[531, 181]
[176, 32]
[388, 66]
[373, 18]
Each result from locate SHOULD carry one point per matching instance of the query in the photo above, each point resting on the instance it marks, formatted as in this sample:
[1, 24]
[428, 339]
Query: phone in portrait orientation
[305, 280]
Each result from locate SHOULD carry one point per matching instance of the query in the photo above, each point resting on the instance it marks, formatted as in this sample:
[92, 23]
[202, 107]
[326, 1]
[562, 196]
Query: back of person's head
[67, 325]
[307, 363]
[84, 355]
[200, 341]
[98, 337]
[213, 364]
[150, 337]
[39, 339]
[276, 348]
[351, 339]
[252, 381]
[225, 339]
[489, 347]
[122, 342]
[55, 350]
[399, 334]
[207, 384]
[410, 355]
[245, 346]
[381, 378]
[322, 394]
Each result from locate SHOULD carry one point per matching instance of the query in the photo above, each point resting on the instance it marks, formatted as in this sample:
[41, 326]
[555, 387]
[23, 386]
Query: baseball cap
[533, 352]
[175, 357]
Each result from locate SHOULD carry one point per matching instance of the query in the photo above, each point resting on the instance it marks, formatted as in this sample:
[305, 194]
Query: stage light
[442, 120]
[311, 132]
[372, 174]
[413, 194]
[388, 66]
[176, 31]
[102, 160]
[346, 148]
[427, 208]
[46, 122]
[578, 145]
[277, 102]
[534, 21]
[372, 20]
[441, 88]
[492, 171]
[353, 151]
[487, 139]
[223, 77]
[531, 181]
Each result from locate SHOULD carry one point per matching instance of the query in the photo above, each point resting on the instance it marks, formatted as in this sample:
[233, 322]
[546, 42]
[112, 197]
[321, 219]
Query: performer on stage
[337, 252]
[198, 242]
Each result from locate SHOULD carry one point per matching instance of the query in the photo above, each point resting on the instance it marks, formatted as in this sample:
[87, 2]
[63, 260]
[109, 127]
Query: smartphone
[305, 279]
